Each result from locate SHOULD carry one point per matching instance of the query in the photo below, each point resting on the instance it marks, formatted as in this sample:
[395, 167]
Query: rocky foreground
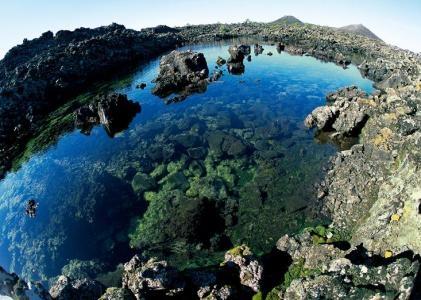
[372, 192]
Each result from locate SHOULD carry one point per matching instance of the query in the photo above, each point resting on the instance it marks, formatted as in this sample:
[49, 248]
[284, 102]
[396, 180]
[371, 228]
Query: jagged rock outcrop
[322, 270]
[346, 115]
[181, 72]
[14, 287]
[42, 74]
[152, 278]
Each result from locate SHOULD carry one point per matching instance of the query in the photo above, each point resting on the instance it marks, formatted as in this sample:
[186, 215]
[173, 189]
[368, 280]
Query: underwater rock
[181, 71]
[114, 111]
[152, 278]
[251, 271]
[221, 143]
[65, 289]
[143, 182]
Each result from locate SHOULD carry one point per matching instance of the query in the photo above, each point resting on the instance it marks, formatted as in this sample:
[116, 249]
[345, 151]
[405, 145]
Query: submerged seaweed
[185, 182]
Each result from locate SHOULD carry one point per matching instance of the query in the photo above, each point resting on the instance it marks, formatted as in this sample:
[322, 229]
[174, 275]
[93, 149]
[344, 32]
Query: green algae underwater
[185, 182]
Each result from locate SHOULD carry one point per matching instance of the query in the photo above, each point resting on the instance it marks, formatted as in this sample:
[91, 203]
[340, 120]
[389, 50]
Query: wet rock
[86, 118]
[179, 71]
[114, 111]
[251, 271]
[280, 47]
[236, 68]
[147, 278]
[237, 53]
[220, 61]
[65, 288]
[216, 75]
[270, 53]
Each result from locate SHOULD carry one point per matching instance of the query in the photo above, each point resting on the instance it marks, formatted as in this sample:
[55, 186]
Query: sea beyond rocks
[371, 192]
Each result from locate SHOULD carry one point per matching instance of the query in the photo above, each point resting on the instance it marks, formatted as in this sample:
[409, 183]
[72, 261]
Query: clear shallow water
[232, 165]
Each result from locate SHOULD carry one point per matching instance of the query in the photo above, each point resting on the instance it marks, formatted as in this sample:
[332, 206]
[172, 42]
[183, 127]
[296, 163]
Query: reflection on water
[185, 181]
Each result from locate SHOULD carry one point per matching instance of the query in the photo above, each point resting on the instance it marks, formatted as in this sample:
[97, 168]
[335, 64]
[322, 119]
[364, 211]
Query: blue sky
[397, 22]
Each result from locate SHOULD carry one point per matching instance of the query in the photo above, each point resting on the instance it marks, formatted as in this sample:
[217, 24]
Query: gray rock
[151, 277]
[251, 271]
[179, 71]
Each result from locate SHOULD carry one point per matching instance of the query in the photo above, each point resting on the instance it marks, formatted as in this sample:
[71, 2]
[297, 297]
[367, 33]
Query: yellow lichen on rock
[381, 140]
[388, 254]
[395, 217]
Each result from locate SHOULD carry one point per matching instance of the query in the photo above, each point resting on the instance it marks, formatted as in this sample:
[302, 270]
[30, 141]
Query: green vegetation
[296, 271]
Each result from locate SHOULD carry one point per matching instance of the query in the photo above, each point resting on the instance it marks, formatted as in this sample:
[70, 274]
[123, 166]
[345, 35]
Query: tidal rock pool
[185, 182]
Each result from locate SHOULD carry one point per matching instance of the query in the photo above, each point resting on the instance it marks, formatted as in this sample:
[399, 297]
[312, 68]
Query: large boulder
[152, 278]
[238, 52]
[346, 115]
[181, 72]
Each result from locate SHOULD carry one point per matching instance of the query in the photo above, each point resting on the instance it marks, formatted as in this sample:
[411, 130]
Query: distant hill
[360, 30]
[287, 20]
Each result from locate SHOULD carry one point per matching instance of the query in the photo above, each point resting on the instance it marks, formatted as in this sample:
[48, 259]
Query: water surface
[185, 181]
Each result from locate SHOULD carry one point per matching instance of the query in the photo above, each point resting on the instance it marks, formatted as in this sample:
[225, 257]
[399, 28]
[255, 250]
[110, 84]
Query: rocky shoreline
[372, 192]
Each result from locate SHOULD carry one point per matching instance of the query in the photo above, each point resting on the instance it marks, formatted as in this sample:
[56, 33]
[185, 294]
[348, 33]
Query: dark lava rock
[237, 68]
[86, 117]
[114, 111]
[179, 71]
[280, 47]
[141, 86]
[258, 49]
[220, 61]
